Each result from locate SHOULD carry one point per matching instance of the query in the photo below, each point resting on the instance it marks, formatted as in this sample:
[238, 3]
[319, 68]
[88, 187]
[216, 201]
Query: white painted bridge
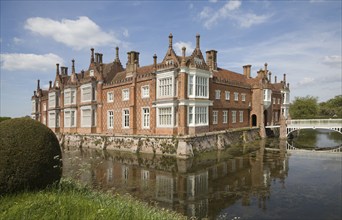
[298, 124]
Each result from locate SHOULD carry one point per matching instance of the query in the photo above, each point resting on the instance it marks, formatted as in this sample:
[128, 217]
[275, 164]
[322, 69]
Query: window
[276, 116]
[267, 95]
[236, 96]
[191, 85]
[33, 106]
[243, 97]
[52, 100]
[278, 101]
[44, 107]
[52, 119]
[241, 116]
[200, 114]
[125, 94]
[165, 116]
[274, 101]
[215, 113]
[217, 94]
[86, 117]
[69, 97]
[110, 97]
[145, 117]
[225, 117]
[91, 73]
[201, 86]
[165, 87]
[86, 94]
[44, 120]
[125, 118]
[110, 119]
[145, 91]
[227, 95]
[233, 116]
[69, 118]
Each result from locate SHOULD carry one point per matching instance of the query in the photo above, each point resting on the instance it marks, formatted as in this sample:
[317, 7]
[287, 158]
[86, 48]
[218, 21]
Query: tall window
[145, 117]
[215, 114]
[52, 119]
[86, 94]
[165, 87]
[86, 117]
[69, 96]
[267, 95]
[110, 119]
[145, 91]
[52, 100]
[227, 95]
[217, 94]
[233, 116]
[243, 97]
[165, 116]
[198, 115]
[276, 116]
[225, 117]
[110, 97]
[274, 101]
[125, 118]
[241, 116]
[125, 94]
[191, 85]
[236, 96]
[201, 86]
[69, 118]
[34, 106]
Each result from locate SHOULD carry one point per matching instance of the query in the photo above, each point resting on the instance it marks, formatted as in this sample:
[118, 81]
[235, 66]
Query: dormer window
[169, 62]
[91, 73]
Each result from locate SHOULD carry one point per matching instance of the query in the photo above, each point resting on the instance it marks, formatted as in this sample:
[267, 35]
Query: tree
[304, 107]
[331, 108]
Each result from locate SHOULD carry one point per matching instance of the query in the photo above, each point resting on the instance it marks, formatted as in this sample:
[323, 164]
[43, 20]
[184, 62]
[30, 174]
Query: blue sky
[299, 38]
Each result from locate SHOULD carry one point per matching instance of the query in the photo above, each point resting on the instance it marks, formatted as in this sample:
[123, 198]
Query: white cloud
[17, 40]
[333, 61]
[78, 34]
[125, 33]
[180, 44]
[29, 62]
[231, 10]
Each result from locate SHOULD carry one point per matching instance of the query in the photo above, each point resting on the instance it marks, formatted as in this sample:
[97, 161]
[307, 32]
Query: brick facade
[180, 95]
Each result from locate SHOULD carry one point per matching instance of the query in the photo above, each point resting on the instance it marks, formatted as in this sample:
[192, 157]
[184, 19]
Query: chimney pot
[73, 66]
[50, 84]
[92, 55]
[57, 68]
[284, 78]
[38, 85]
[155, 60]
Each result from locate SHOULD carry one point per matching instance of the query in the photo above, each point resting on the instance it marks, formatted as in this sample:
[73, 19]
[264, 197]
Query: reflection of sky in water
[320, 138]
[327, 138]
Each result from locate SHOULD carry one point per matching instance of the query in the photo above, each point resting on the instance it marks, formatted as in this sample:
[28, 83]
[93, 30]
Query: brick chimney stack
[284, 79]
[92, 55]
[183, 56]
[97, 58]
[270, 76]
[275, 79]
[170, 40]
[247, 71]
[117, 54]
[38, 85]
[197, 41]
[155, 61]
[132, 61]
[73, 66]
[50, 84]
[57, 69]
[212, 59]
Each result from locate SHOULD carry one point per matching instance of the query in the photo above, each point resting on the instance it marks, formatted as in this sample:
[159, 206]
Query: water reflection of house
[201, 188]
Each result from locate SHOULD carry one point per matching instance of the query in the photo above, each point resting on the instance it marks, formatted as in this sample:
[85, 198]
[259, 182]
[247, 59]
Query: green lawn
[69, 200]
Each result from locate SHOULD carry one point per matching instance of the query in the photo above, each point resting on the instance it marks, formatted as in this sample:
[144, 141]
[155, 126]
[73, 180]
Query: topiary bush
[30, 156]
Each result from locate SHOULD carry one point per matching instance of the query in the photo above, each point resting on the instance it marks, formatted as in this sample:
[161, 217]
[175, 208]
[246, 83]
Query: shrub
[30, 154]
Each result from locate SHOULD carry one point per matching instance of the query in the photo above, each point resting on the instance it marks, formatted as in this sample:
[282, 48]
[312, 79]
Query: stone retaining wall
[180, 146]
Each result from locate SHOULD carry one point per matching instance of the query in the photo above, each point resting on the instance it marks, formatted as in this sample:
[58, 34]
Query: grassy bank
[69, 200]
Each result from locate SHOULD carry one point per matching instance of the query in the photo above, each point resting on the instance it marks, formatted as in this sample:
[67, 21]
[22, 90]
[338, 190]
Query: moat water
[261, 180]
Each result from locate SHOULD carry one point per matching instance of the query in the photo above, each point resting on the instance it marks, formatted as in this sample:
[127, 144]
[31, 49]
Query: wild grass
[70, 200]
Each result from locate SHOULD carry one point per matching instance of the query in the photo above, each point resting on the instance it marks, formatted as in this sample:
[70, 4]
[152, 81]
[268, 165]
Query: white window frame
[145, 118]
[125, 94]
[68, 120]
[274, 101]
[198, 86]
[165, 87]
[92, 117]
[145, 91]
[86, 90]
[197, 114]
[217, 94]
[233, 117]
[52, 120]
[227, 95]
[215, 117]
[225, 117]
[125, 115]
[236, 96]
[52, 100]
[110, 119]
[166, 117]
[243, 97]
[241, 116]
[267, 95]
[70, 96]
[110, 97]
[33, 106]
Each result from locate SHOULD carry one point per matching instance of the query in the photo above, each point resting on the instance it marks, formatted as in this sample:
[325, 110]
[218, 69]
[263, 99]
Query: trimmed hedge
[30, 156]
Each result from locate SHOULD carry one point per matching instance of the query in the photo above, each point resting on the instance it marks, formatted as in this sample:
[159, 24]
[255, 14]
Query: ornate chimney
[92, 55]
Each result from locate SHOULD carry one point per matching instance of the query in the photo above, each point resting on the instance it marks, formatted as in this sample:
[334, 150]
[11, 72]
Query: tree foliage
[30, 156]
[304, 107]
[331, 108]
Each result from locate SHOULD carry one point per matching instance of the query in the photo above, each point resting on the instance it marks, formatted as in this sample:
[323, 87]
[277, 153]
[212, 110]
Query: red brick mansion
[179, 95]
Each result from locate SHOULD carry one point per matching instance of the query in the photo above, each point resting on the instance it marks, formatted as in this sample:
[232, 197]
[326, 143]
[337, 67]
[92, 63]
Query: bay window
[197, 115]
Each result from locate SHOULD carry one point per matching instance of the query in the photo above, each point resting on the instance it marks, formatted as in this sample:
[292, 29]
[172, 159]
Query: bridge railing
[325, 123]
